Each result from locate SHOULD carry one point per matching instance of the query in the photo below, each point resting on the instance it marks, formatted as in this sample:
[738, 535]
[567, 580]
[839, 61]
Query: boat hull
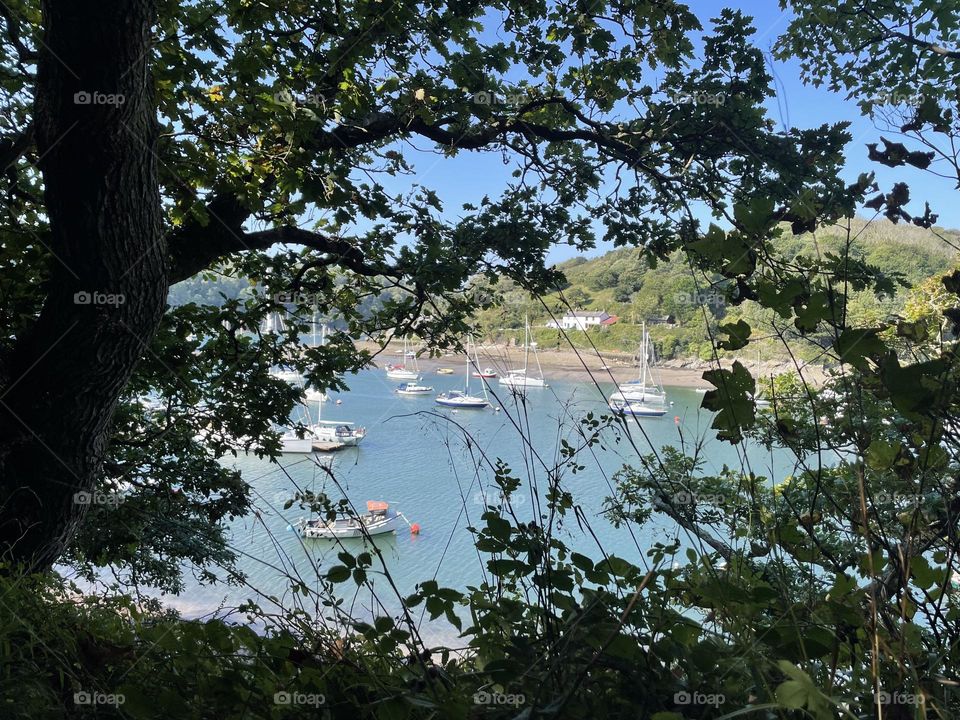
[296, 445]
[476, 403]
[637, 409]
[346, 528]
[419, 391]
[522, 381]
[402, 375]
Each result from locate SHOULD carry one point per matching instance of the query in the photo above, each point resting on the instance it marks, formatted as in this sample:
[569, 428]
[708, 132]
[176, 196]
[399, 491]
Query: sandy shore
[572, 365]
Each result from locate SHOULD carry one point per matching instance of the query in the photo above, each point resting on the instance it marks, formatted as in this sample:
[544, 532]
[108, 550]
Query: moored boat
[522, 378]
[338, 431]
[459, 399]
[644, 396]
[378, 520]
[412, 388]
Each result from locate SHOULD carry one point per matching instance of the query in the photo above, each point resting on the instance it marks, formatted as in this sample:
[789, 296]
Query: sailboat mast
[644, 353]
[526, 344]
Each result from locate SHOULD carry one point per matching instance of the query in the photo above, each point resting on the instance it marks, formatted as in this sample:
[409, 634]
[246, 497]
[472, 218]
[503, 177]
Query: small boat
[290, 376]
[637, 408]
[459, 399]
[521, 378]
[400, 372]
[376, 521]
[463, 398]
[444, 371]
[338, 431]
[758, 399]
[290, 443]
[412, 388]
[647, 389]
[314, 395]
[487, 372]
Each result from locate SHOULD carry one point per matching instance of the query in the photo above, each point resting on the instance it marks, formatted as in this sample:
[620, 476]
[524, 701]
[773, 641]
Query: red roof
[610, 320]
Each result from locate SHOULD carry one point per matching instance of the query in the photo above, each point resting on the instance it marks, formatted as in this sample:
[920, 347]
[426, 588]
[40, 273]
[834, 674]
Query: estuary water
[434, 465]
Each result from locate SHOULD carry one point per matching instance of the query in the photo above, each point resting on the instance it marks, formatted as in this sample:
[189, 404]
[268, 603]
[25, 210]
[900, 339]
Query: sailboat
[400, 372]
[522, 378]
[644, 396]
[312, 394]
[758, 400]
[463, 399]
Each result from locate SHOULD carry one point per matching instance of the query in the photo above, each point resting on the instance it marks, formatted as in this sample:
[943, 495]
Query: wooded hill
[622, 283]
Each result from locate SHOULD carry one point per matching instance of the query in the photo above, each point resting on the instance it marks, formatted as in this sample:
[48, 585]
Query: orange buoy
[415, 529]
[676, 419]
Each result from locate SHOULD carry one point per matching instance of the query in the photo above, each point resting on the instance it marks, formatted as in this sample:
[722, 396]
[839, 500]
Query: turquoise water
[419, 458]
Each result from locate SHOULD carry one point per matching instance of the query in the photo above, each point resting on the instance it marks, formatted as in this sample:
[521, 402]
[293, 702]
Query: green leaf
[732, 401]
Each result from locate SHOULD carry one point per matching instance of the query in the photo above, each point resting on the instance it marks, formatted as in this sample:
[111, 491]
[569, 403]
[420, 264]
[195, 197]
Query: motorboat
[314, 395]
[338, 431]
[444, 371]
[412, 388]
[378, 520]
[487, 372]
[291, 444]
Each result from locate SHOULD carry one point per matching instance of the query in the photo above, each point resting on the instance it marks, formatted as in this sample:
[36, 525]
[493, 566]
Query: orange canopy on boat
[376, 506]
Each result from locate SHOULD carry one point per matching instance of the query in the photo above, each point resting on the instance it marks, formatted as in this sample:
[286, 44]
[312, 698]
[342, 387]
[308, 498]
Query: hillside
[621, 283]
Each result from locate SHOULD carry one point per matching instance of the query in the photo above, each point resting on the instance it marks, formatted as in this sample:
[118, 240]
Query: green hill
[622, 283]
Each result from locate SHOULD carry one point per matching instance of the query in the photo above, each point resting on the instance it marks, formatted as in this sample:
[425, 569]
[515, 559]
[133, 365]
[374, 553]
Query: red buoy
[415, 529]
[676, 419]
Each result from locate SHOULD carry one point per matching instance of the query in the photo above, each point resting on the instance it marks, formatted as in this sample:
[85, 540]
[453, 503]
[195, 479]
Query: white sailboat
[401, 372]
[463, 399]
[312, 394]
[522, 378]
[645, 396]
[758, 399]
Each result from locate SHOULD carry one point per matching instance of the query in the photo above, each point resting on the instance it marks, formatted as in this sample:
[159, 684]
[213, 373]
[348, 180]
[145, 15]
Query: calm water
[417, 458]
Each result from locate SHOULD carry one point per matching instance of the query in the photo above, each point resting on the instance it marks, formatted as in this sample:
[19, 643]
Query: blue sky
[469, 176]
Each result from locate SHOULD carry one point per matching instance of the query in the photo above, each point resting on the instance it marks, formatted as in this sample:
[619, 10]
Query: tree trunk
[96, 130]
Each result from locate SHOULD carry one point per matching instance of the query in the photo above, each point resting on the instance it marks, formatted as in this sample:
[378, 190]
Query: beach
[580, 365]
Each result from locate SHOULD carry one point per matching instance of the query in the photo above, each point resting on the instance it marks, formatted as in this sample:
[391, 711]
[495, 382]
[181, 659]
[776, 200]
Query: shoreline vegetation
[567, 364]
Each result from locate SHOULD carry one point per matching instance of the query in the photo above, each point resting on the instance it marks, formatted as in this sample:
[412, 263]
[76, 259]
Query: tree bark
[95, 128]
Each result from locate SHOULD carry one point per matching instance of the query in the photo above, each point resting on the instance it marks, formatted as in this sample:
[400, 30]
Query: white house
[582, 319]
